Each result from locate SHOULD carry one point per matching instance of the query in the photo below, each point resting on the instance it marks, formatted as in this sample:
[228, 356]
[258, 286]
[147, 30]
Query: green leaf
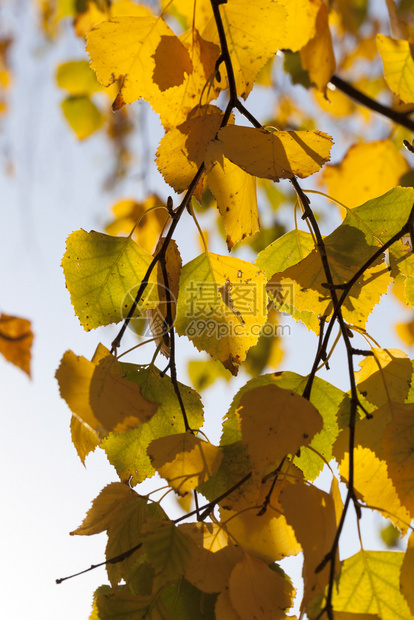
[103, 274]
[369, 583]
[127, 452]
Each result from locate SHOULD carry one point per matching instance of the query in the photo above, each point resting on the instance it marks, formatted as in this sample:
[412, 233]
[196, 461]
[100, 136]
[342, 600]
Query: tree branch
[359, 97]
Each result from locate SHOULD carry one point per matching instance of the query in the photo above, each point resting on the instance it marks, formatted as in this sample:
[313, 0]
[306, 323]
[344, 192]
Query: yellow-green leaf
[309, 295]
[103, 274]
[127, 452]
[82, 115]
[286, 251]
[168, 549]
[398, 61]
[221, 306]
[275, 155]
[369, 583]
[77, 78]
[105, 508]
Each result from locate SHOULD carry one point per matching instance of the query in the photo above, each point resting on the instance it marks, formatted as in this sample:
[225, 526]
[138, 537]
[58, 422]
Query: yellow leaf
[266, 536]
[103, 275]
[196, 14]
[300, 23]
[275, 155]
[184, 460]
[372, 482]
[398, 61]
[235, 192]
[364, 49]
[99, 396]
[318, 56]
[82, 115]
[254, 32]
[146, 223]
[129, 47]
[406, 332]
[84, 438]
[223, 609]
[275, 422]
[16, 338]
[221, 306]
[398, 444]
[258, 592]
[181, 151]
[383, 168]
[216, 556]
[407, 574]
[385, 376]
[316, 541]
[335, 102]
[118, 403]
[153, 63]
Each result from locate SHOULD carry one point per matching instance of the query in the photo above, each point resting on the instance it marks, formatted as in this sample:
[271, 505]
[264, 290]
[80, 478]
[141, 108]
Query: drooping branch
[368, 102]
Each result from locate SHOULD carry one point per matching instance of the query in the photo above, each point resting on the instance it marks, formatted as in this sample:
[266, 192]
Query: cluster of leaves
[281, 428]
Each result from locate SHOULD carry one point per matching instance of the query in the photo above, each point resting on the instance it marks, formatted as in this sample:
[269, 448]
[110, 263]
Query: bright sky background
[50, 185]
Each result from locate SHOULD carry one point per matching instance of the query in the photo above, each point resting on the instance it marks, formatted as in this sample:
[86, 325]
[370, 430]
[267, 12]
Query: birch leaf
[398, 61]
[221, 306]
[235, 192]
[103, 274]
[275, 155]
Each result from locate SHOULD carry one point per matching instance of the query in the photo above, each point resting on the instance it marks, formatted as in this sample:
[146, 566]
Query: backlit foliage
[196, 62]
